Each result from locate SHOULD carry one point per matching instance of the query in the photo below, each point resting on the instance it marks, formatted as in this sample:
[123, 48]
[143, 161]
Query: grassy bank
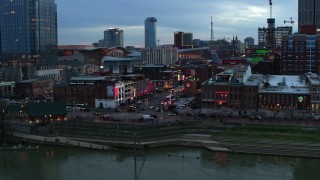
[275, 132]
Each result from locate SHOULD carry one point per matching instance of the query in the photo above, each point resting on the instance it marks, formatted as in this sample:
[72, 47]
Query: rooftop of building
[115, 59]
[88, 78]
[313, 78]
[151, 66]
[193, 49]
[32, 80]
[291, 84]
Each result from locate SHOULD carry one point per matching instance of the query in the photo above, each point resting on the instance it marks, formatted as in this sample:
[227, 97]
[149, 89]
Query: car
[117, 110]
[256, 117]
[171, 114]
[151, 107]
[131, 110]
[106, 117]
[97, 113]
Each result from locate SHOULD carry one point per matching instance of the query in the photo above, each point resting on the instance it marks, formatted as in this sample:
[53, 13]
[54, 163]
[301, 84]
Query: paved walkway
[61, 141]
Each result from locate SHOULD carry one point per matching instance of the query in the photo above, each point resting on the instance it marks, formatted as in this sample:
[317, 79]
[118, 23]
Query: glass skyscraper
[28, 33]
[150, 36]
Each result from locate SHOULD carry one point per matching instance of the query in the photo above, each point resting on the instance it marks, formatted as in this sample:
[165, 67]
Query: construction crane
[270, 3]
[290, 21]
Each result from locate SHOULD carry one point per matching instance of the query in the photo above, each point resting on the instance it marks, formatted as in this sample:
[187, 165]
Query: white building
[118, 65]
[163, 55]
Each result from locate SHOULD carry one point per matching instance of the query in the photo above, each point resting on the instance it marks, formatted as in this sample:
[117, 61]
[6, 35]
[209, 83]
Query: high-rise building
[183, 40]
[308, 14]
[28, 36]
[113, 37]
[248, 41]
[300, 54]
[150, 32]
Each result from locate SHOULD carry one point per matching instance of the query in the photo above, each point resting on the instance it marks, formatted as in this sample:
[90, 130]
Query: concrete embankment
[61, 141]
[220, 144]
[270, 147]
[232, 145]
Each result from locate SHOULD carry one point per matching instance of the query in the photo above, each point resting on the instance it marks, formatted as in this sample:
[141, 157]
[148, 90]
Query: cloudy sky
[83, 21]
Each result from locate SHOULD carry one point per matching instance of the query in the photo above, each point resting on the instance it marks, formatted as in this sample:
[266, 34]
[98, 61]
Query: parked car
[117, 110]
[106, 117]
[171, 114]
[256, 117]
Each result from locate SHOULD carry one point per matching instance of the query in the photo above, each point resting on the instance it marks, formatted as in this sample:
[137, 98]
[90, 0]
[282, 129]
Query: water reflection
[161, 163]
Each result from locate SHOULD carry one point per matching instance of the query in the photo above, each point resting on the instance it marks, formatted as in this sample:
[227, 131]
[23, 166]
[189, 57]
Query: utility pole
[212, 38]
[135, 156]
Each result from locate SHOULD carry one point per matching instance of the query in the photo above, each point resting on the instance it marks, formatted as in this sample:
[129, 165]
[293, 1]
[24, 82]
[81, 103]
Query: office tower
[183, 40]
[150, 32]
[300, 54]
[308, 15]
[113, 37]
[248, 41]
[28, 32]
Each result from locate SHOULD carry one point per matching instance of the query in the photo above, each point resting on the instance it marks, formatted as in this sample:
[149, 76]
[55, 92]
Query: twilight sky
[83, 21]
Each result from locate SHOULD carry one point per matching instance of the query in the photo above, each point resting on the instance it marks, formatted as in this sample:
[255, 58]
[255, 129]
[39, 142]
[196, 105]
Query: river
[177, 163]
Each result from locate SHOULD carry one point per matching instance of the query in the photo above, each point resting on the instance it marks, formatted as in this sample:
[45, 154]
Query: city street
[146, 106]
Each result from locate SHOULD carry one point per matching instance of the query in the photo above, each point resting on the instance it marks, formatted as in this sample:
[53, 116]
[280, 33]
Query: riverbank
[284, 140]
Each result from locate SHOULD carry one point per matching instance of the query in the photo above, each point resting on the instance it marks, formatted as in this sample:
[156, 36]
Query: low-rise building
[284, 93]
[235, 89]
[314, 83]
[34, 88]
[247, 93]
[103, 92]
[161, 55]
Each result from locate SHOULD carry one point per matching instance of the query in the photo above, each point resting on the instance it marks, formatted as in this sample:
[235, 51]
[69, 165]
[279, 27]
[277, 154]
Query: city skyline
[78, 25]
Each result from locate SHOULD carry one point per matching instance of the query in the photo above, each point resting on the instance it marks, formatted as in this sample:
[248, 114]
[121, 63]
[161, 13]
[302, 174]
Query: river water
[177, 163]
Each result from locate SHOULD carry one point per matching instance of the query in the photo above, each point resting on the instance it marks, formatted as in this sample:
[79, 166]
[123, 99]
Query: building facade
[81, 90]
[28, 33]
[308, 14]
[235, 89]
[248, 42]
[117, 65]
[273, 96]
[286, 93]
[300, 54]
[272, 39]
[34, 88]
[183, 40]
[314, 84]
[150, 32]
[163, 56]
[113, 37]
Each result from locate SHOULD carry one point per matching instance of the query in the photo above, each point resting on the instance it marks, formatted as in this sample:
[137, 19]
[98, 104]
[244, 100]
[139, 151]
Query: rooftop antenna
[212, 38]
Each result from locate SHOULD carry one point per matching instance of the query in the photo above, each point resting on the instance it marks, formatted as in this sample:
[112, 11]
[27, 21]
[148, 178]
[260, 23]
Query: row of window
[231, 89]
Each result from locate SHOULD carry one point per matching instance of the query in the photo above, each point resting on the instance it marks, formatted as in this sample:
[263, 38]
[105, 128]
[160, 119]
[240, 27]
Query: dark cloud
[83, 21]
